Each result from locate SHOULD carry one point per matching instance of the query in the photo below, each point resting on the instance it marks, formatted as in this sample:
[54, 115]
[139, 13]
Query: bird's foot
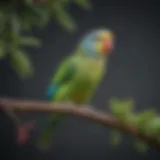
[23, 132]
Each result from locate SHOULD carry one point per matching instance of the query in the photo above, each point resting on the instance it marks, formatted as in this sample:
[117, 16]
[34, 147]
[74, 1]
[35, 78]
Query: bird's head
[97, 43]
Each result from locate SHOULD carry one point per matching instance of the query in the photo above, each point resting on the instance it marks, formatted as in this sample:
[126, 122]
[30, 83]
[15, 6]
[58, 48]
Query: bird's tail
[45, 139]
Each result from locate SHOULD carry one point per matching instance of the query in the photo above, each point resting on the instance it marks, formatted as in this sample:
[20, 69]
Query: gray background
[133, 72]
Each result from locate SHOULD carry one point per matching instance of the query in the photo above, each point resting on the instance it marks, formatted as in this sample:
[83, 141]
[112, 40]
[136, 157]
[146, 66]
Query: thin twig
[82, 111]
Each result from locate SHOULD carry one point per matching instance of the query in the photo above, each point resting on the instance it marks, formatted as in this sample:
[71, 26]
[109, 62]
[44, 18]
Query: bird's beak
[107, 46]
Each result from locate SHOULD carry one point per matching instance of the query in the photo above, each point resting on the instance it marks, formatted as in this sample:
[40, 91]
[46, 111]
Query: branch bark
[77, 110]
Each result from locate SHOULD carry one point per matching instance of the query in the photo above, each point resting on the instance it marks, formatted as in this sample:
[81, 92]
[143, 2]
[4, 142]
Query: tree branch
[82, 111]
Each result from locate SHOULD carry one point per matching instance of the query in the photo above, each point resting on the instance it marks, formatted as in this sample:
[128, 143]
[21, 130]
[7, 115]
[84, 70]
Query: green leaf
[2, 21]
[21, 63]
[29, 41]
[153, 127]
[27, 23]
[116, 103]
[2, 49]
[45, 17]
[143, 118]
[66, 1]
[115, 138]
[141, 146]
[84, 4]
[63, 17]
[16, 24]
[31, 17]
[42, 14]
[29, 2]
[122, 109]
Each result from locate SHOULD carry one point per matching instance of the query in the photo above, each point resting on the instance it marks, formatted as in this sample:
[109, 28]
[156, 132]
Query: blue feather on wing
[51, 91]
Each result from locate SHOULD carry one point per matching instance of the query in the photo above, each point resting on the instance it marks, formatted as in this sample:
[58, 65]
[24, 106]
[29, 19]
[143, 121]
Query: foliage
[19, 16]
[147, 122]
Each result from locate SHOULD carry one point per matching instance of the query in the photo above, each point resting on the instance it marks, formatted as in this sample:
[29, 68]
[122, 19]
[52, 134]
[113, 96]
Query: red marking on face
[107, 46]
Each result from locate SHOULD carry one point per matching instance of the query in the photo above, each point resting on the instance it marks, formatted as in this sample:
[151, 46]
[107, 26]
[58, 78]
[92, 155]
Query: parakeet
[78, 76]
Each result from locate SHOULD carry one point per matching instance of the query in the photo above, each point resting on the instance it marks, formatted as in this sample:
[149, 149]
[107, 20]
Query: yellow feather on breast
[89, 73]
[79, 97]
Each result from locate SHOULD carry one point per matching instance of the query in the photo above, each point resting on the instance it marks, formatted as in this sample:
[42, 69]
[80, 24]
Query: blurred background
[133, 72]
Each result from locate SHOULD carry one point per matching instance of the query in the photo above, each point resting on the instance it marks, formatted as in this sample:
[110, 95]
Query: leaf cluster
[19, 16]
[146, 122]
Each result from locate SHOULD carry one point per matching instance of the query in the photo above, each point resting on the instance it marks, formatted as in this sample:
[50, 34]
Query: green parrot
[78, 76]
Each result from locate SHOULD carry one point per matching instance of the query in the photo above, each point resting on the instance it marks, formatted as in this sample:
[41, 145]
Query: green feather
[78, 78]
[46, 136]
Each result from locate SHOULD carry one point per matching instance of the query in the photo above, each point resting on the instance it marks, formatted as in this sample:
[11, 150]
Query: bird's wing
[63, 75]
